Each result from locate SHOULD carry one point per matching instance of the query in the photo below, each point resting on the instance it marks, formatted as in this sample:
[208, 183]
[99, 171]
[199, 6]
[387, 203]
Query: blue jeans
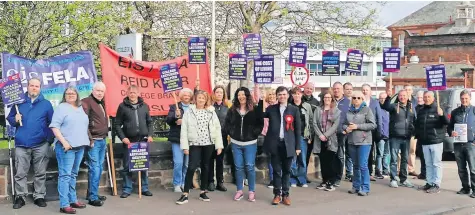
[244, 160]
[359, 155]
[386, 157]
[465, 154]
[95, 163]
[299, 166]
[433, 157]
[382, 155]
[68, 167]
[127, 176]
[399, 145]
[180, 164]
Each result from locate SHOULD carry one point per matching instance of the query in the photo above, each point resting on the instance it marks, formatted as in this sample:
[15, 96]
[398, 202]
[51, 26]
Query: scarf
[353, 108]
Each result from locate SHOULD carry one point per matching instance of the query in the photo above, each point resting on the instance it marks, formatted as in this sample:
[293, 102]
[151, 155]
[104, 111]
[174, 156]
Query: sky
[394, 11]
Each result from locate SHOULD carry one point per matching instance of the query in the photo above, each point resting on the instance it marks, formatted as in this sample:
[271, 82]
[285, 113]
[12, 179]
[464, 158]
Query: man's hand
[126, 141]
[197, 82]
[389, 91]
[440, 112]
[149, 139]
[353, 126]
[454, 134]
[92, 144]
[219, 151]
[67, 146]
[309, 141]
[18, 117]
[298, 152]
[323, 138]
[178, 121]
[177, 113]
[186, 152]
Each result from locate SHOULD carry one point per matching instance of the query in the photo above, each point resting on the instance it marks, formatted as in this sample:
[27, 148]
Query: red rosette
[289, 119]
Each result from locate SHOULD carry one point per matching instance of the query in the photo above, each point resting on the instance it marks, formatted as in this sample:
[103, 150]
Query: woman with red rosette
[244, 122]
[282, 142]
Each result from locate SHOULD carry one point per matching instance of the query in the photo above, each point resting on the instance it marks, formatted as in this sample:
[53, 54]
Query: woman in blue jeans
[244, 122]
[69, 125]
[174, 119]
[357, 125]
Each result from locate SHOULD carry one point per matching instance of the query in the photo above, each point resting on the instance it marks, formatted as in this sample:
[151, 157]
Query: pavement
[382, 200]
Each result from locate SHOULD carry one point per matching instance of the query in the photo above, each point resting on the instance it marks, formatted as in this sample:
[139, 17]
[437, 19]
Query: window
[401, 43]
[288, 69]
[364, 69]
[342, 69]
[312, 45]
[312, 68]
[441, 58]
[379, 70]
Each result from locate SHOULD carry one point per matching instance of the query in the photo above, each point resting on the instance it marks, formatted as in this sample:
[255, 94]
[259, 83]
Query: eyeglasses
[355, 98]
[327, 97]
[71, 94]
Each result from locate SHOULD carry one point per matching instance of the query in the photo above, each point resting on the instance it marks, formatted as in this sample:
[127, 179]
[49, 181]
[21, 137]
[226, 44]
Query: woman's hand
[323, 138]
[186, 152]
[219, 151]
[353, 126]
[66, 146]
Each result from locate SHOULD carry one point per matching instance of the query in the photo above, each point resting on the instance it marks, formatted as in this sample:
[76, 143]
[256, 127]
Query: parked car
[449, 100]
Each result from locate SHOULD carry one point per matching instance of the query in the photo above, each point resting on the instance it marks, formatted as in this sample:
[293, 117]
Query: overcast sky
[394, 11]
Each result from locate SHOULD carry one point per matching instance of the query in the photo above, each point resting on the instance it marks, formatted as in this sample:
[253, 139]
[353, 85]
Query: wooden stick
[111, 152]
[177, 112]
[390, 82]
[18, 112]
[437, 94]
[198, 76]
[140, 184]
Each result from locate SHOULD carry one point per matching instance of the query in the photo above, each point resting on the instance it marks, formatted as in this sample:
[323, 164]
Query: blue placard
[331, 63]
[298, 54]
[436, 79]
[170, 77]
[139, 158]
[237, 67]
[264, 69]
[354, 60]
[12, 90]
[197, 50]
[391, 59]
[252, 45]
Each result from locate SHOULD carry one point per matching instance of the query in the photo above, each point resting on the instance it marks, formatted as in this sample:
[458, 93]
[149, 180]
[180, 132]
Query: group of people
[344, 129]
[77, 128]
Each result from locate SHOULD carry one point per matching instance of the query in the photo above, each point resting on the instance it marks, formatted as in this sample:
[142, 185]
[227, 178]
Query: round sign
[299, 76]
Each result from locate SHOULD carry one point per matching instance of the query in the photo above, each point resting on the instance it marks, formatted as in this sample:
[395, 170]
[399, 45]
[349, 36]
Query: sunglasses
[355, 98]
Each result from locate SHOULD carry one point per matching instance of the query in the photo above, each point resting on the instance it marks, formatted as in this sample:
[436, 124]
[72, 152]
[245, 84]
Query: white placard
[461, 130]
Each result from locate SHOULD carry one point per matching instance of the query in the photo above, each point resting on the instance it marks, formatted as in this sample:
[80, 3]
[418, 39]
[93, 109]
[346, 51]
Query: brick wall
[452, 48]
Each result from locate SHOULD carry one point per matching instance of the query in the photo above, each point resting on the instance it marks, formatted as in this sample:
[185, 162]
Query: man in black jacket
[401, 129]
[430, 129]
[464, 153]
[308, 97]
[282, 142]
[133, 124]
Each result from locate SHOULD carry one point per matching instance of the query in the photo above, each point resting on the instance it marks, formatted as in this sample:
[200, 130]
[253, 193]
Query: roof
[452, 70]
[452, 29]
[437, 12]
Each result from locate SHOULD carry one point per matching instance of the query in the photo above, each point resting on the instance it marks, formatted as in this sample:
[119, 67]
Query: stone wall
[452, 48]
[160, 173]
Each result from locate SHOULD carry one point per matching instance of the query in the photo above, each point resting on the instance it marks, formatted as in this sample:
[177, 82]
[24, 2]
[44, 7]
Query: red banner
[119, 72]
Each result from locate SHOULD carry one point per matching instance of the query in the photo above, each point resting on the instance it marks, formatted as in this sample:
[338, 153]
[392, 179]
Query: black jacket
[460, 115]
[221, 111]
[401, 123]
[312, 101]
[174, 133]
[245, 128]
[126, 123]
[292, 138]
[430, 127]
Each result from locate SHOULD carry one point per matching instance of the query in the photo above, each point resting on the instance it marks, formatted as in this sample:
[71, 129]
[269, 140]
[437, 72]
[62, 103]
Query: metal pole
[11, 166]
[109, 171]
[213, 43]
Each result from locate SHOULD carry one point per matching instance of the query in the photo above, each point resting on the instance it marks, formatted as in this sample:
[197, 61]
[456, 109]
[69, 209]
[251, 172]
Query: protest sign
[330, 63]
[55, 73]
[252, 45]
[391, 59]
[300, 76]
[170, 78]
[436, 77]
[264, 69]
[12, 90]
[298, 54]
[354, 60]
[138, 156]
[121, 72]
[197, 50]
[237, 66]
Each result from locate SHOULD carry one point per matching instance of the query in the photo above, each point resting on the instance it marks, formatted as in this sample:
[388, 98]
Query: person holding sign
[174, 120]
[358, 123]
[98, 130]
[133, 124]
[270, 99]
[461, 127]
[31, 143]
[430, 131]
[282, 142]
[244, 123]
[402, 116]
[200, 136]
[70, 127]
